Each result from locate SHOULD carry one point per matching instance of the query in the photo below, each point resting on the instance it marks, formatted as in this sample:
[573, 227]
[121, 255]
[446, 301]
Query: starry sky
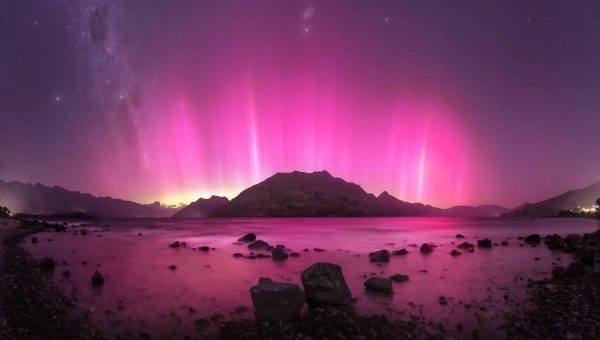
[443, 102]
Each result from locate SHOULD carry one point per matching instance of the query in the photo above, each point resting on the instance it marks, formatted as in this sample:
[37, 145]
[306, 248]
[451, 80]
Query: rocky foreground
[566, 306]
[31, 306]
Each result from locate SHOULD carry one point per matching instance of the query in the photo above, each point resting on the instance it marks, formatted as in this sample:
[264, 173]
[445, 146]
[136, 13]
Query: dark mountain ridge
[570, 200]
[37, 199]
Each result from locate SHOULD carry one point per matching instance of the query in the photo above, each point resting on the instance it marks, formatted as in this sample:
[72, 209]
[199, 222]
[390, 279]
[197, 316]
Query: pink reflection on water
[157, 300]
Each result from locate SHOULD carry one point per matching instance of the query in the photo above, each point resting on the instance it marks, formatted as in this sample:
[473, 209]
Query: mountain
[391, 206]
[570, 200]
[302, 194]
[42, 200]
[487, 210]
[204, 207]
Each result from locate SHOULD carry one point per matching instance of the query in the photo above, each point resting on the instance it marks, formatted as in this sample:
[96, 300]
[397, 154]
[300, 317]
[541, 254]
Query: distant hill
[321, 194]
[302, 194]
[570, 200]
[37, 199]
[488, 210]
[391, 206]
[203, 207]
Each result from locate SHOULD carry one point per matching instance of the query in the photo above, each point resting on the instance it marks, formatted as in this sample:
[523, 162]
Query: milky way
[444, 103]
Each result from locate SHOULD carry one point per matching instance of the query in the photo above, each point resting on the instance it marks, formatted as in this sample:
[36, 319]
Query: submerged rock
[455, 252]
[250, 237]
[172, 267]
[324, 284]
[275, 301]
[400, 252]
[460, 236]
[533, 239]
[379, 284]
[504, 243]
[426, 248]
[204, 248]
[279, 254]
[238, 255]
[485, 243]
[175, 244]
[465, 246]
[258, 245]
[97, 279]
[294, 254]
[380, 256]
[399, 278]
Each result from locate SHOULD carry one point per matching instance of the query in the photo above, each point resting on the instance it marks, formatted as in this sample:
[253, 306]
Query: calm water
[142, 294]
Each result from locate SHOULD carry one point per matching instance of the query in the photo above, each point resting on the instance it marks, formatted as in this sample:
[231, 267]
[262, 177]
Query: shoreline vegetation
[566, 305]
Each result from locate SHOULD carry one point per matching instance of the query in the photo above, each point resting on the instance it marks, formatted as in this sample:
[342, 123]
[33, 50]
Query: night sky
[444, 102]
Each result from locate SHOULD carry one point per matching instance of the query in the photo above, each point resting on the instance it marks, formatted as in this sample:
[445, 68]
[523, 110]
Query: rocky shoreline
[565, 306]
[31, 306]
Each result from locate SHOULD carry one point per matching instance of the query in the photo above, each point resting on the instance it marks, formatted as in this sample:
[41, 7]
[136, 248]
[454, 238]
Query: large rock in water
[324, 284]
[276, 301]
[258, 245]
[485, 243]
[250, 237]
[379, 284]
[380, 256]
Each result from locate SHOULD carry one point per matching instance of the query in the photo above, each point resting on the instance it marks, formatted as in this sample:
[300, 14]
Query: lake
[141, 294]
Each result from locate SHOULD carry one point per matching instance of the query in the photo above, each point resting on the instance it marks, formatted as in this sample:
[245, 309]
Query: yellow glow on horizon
[187, 197]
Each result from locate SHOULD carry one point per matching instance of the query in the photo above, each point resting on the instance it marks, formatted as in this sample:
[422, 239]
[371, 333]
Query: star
[57, 99]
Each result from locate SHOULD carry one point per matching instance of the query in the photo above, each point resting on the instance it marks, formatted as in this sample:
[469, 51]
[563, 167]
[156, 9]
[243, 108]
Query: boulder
[533, 239]
[465, 246]
[279, 254]
[426, 248]
[485, 243]
[460, 236]
[555, 242]
[250, 237]
[586, 255]
[276, 301]
[400, 252]
[238, 255]
[399, 278]
[575, 269]
[558, 272]
[47, 264]
[97, 279]
[379, 284]
[324, 284]
[380, 256]
[455, 252]
[573, 241]
[175, 244]
[204, 248]
[258, 245]
[504, 243]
